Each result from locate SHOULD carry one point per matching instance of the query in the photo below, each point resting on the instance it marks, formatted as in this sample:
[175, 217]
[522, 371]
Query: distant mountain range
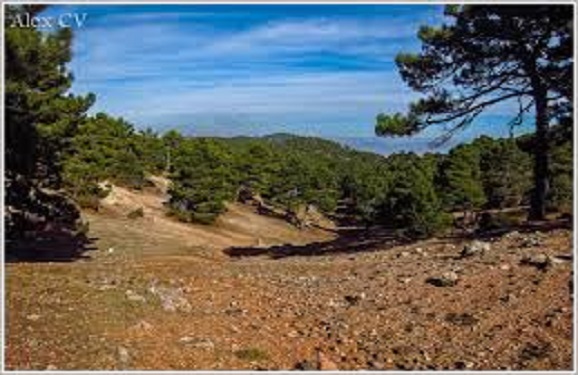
[387, 146]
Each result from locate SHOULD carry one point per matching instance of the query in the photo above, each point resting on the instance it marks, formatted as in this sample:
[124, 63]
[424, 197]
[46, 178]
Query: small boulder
[475, 248]
[445, 280]
[134, 297]
[172, 299]
[542, 262]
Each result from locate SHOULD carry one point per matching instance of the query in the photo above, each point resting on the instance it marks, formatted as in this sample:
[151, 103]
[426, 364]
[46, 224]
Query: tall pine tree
[486, 55]
[41, 118]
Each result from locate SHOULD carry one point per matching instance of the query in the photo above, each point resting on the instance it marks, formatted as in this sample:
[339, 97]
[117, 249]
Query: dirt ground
[156, 294]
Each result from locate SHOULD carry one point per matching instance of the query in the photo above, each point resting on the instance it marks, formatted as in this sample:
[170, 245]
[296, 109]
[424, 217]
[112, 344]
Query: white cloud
[308, 35]
[152, 69]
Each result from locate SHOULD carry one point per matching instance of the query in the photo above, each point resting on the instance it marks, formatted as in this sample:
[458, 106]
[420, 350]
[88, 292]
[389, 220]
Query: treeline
[407, 191]
[56, 155]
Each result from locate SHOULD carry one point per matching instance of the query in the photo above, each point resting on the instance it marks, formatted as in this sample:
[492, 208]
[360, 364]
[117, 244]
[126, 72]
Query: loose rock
[134, 297]
[475, 248]
[172, 299]
[123, 355]
[541, 261]
[445, 280]
[201, 343]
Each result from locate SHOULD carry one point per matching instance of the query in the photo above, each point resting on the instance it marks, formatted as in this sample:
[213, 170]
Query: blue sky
[225, 70]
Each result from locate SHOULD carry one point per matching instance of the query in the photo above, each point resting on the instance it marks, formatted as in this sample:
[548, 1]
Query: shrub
[498, 221]
[251, 354]
[135, 214]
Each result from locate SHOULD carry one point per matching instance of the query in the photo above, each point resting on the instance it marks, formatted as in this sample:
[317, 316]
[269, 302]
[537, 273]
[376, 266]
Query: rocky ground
[504, 303]
[409, 307]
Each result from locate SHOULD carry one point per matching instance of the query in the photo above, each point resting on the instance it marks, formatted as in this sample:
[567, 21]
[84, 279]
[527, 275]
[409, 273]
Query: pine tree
[486, 55]
[462, 180]
[41, 118]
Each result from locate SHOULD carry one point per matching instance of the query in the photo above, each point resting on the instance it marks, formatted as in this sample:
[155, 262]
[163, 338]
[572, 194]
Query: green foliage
[500, 221]
[171, 140]
[104, 148]
[461, 179]
[412, 202]
[41, 117]
[506, 172]
[203, 179]
[395, 125]
[464, 67]
[561, 196]
[251, 354]
[490, 54]
[151, 151]
[136, 213]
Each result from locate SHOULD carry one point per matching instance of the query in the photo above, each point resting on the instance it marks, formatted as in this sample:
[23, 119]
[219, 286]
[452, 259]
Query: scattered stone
[532, 351]
[172, 299]
[541, 261]
[354, 300]
[293, 334]
[51, 368]
[134, 297]
[306, 366]
[445, 280]
[142, 325]
[512, 234]
[200, 343]
[333, 303]
[505, 267]
[475, 248]
[508, 298]
[123, 355]
[33, 317]
[464, 319]
[375, 365]
[324, 363]
[403, 254]
[531, 240]
[462, 365]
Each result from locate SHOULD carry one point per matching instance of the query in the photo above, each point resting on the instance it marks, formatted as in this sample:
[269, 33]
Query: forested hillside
[57, 157]
[406, 191]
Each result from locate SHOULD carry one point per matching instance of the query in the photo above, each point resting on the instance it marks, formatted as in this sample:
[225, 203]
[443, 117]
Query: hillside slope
[241, 225]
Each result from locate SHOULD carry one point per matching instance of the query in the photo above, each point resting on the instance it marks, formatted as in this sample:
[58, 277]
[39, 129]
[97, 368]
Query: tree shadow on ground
[49, 249]
[526, 227]
[349, 241]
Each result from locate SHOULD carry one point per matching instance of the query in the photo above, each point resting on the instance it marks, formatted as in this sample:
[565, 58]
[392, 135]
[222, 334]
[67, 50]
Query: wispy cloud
[248, 70]
[310, 35]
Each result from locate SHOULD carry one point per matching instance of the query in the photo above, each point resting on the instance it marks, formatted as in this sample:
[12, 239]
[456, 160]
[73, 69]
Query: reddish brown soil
[366, 310]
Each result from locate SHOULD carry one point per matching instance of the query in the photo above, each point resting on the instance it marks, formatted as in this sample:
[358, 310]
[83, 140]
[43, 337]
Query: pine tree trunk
[541, 160]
